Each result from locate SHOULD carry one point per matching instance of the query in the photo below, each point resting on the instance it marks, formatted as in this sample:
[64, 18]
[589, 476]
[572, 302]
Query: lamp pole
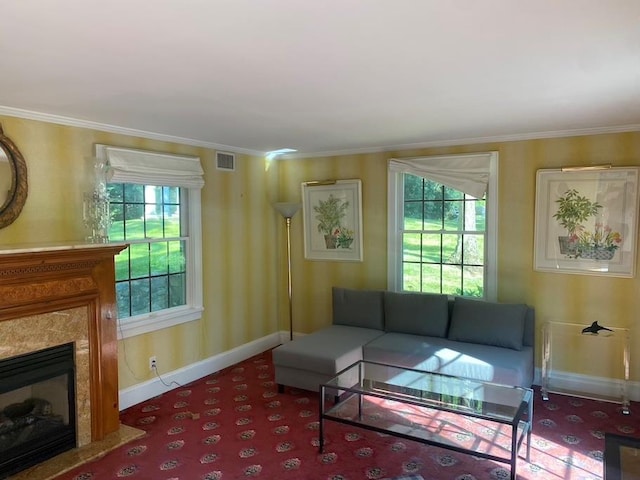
[289, 289]
[288, 210]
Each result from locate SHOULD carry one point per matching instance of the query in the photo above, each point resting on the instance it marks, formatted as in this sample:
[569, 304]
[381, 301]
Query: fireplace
[63, 296]
[37, 407]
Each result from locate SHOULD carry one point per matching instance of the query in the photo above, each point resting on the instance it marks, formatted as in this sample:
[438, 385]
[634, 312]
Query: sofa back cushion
[529, 339]
[358, 308]
[416, 313]
[488, 323]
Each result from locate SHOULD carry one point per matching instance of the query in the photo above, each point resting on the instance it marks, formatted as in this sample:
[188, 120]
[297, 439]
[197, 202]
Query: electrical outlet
[153, 363]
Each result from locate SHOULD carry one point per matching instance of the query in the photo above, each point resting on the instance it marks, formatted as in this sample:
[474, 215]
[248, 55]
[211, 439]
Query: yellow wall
[240, 262]
[243, 238]
[560, 297]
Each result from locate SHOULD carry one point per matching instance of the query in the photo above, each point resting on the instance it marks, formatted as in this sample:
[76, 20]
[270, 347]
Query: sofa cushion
[488, 323]
[416, 313]
[358, 308]
[469, 360]
[325, 351]
[529, 338]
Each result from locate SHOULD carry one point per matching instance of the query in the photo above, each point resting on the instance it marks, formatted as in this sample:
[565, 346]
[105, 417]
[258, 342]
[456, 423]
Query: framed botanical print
[332, 214]
[586, 221]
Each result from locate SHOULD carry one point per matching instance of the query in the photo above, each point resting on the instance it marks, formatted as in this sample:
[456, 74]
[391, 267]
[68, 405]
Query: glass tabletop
[445, 392]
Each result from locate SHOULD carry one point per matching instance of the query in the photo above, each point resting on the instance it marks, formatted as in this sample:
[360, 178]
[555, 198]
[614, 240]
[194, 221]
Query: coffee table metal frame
[434, 391]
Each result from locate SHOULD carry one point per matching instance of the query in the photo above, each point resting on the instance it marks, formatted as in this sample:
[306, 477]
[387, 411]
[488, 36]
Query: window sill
[141, 324]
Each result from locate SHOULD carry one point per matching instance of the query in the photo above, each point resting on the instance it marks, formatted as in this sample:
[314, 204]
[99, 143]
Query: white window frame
[153, 321]
[395, 205]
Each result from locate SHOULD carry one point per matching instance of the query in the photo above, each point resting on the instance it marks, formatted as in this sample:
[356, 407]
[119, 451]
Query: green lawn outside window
[443, 239]
[151, 272]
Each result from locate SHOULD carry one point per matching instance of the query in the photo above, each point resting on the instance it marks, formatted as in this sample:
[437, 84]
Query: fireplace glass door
[37, 407]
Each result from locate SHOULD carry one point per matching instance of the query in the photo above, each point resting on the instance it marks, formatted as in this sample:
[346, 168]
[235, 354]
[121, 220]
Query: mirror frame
[17, 195]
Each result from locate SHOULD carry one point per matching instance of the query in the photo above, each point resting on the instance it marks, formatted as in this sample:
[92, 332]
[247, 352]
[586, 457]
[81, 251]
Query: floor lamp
[288, 210]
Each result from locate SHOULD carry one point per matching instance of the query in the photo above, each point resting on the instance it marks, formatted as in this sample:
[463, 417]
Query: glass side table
[565, 344]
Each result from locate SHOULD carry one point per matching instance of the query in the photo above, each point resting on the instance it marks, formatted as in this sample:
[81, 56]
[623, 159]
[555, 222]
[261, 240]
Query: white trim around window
[150, 322]
[395, 196]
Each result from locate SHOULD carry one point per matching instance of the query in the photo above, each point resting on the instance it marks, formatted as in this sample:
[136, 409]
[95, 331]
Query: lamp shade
[287, 210]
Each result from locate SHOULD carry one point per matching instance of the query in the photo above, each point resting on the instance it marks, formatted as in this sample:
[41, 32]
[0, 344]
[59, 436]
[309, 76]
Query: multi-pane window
[443, 238]
[442, 224]
[151, 274]
[155, 204]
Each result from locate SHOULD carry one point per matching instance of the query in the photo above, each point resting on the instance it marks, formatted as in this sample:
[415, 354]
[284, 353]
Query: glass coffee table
[479, 418]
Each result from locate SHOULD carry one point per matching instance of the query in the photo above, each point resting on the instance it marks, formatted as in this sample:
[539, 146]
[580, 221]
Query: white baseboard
[596, 387]
[589, 386]
[152, 388]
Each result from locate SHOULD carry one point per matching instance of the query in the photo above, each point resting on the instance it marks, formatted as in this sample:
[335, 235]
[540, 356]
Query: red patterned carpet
[234, 424]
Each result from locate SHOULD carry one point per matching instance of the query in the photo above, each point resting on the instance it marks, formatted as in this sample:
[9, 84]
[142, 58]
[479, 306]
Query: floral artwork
[333, 218]
[329, 214]
[586, 221]
[344, 237]
[600, 243]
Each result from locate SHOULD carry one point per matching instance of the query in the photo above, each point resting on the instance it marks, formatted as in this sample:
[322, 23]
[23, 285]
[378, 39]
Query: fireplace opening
[37, 407]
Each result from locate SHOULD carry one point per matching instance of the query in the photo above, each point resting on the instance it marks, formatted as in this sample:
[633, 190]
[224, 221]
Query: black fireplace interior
[37, 407]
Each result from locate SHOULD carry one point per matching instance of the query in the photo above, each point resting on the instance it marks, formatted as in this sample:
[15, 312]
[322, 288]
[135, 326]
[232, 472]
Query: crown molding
[471, 141]
[103, 127]
[73, 122]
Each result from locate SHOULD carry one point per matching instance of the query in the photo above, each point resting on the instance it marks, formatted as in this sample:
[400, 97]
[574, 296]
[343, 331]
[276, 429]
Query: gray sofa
[474, 339]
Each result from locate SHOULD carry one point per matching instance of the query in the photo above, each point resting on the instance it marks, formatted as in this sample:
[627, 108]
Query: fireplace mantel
[45, 279]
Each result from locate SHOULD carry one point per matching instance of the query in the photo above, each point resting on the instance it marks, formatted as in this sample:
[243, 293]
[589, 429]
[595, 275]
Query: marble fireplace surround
[61, 294]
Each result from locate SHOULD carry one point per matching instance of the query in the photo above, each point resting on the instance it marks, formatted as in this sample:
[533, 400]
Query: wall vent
[226, 161]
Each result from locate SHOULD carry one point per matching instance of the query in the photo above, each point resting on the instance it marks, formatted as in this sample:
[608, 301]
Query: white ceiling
[328, 76]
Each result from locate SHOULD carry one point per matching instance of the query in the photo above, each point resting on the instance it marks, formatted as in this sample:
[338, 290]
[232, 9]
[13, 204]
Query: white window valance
[126, 165]
[468, 173]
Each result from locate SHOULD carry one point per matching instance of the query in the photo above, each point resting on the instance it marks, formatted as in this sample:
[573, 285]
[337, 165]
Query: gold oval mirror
[13, 181]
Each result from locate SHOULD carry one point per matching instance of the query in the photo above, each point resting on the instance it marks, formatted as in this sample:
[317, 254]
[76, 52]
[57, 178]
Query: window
[155, 208]
[442, 227]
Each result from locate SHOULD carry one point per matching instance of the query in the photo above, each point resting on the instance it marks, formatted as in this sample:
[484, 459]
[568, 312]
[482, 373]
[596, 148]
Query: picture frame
[332, 216]
[586, 221]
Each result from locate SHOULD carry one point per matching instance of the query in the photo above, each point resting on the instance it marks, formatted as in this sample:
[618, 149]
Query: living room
[237, 321]
[243, 257]
[240, 202]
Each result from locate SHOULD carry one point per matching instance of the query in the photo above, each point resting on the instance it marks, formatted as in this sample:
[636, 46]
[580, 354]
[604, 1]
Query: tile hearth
[63, 463]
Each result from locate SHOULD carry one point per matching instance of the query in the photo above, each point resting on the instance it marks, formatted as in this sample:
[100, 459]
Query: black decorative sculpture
[595, 328]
